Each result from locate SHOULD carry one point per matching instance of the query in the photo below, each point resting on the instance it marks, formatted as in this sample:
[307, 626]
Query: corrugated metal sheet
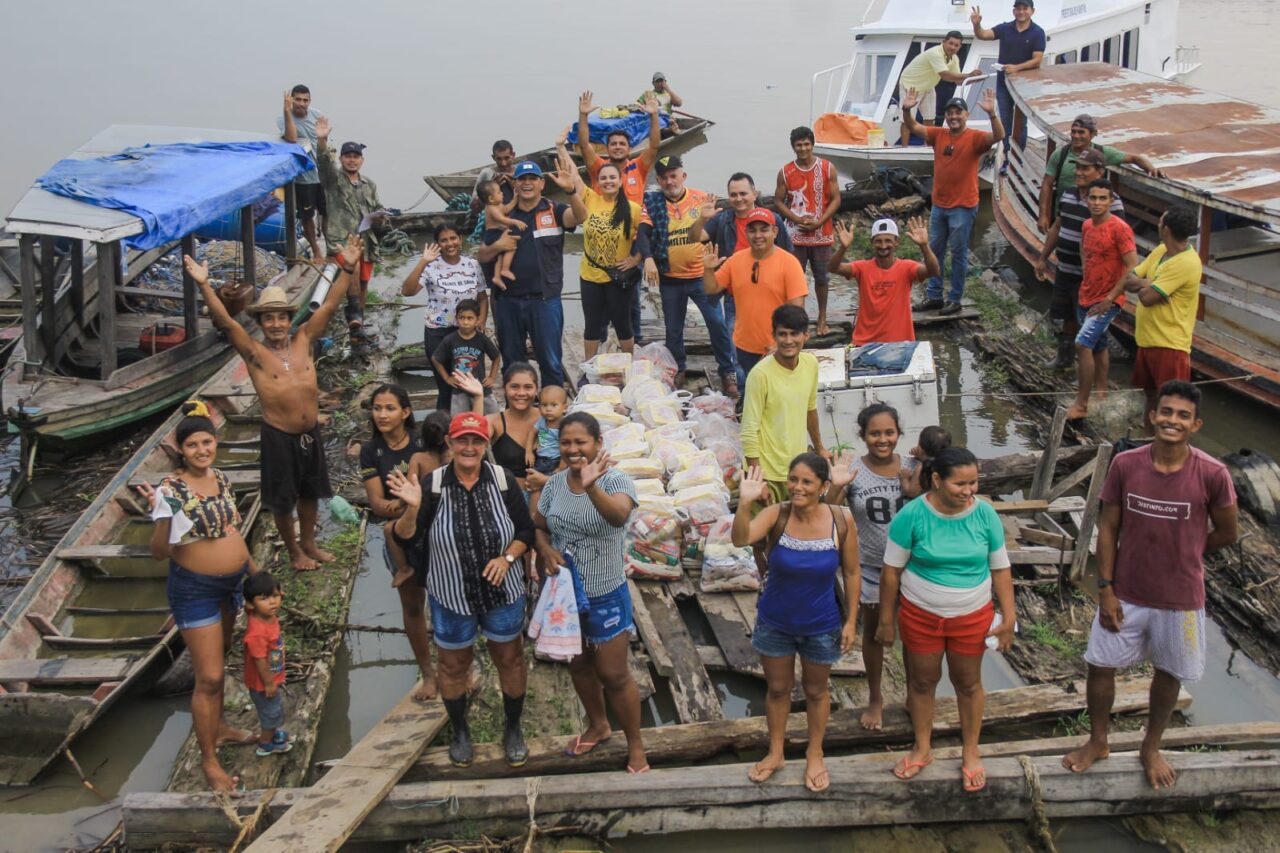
[42, 212]
[1213, 148]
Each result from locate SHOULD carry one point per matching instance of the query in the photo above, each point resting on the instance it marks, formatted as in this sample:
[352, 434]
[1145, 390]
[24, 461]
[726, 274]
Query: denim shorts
[270, 709]
[1093, 330]
[458, 631]
[544, 465]
[196, 600]
[609, 616]
[822, 649]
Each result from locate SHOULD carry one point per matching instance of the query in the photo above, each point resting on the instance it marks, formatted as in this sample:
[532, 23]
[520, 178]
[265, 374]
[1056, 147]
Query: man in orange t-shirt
[634, 170]
[759, 280]
[957, 156]
[884, 281]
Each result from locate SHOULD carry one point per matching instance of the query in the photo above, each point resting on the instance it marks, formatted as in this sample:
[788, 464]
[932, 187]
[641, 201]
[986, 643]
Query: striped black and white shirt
[464, 530]
[576, 525]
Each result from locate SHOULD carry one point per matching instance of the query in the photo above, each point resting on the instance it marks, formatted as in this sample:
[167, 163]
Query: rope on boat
[531, 786]
[397, 242]
[249, 824]
[1241, 378]
[450, 804]
[1039, 821]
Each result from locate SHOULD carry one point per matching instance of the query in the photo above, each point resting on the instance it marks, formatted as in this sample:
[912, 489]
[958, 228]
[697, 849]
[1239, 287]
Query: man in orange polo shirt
[957, 155]
[884, 281]
[634, 170]
[759, 280]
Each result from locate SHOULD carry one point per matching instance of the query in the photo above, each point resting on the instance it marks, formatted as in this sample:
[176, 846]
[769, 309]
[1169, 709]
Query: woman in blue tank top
[809, 543]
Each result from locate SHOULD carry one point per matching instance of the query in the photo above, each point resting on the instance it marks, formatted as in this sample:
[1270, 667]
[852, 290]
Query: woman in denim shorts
[583, 510]
[809, 543]
[208, 562]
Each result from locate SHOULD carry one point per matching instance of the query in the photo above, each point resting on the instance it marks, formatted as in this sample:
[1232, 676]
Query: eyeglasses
[949, 150]
[755, 273]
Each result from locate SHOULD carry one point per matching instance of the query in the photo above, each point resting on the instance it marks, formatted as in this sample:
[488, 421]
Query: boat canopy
[153, 185]
[1214, 150]
[937, 17]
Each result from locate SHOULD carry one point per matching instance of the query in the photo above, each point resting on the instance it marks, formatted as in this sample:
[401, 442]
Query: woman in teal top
[944, 557]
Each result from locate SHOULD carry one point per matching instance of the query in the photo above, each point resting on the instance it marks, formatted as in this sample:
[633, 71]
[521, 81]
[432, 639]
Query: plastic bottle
[340, 509]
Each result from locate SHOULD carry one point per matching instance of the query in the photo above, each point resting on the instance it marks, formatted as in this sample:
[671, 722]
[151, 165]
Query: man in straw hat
[292, 462]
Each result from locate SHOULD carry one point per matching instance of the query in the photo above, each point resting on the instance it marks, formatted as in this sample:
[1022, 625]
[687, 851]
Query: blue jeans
[745, 361]
[270, 710]
[458, 630]
[1004, 105]
[676, 293]
[822, 649]
[1093, 327]
[196, 600]
[608, 616]
[518, 318]
[950, 228]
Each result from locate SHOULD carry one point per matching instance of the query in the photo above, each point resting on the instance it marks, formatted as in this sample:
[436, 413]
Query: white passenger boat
[863, 92]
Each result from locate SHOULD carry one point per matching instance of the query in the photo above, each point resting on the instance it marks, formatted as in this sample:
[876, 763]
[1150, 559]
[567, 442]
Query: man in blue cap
[530, 307]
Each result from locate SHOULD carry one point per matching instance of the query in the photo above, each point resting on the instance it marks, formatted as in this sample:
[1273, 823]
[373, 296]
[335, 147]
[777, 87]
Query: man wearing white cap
[884, 281]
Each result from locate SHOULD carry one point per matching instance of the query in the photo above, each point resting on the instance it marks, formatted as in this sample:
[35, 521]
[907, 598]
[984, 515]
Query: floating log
[668, 745]
[1004, 474]
[862, 793]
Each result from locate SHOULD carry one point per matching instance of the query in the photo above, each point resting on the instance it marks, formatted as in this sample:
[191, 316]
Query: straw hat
[272, 298]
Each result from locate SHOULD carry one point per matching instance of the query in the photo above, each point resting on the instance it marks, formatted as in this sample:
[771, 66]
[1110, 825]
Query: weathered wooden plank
[862, 793]
[325, 817]
[732, 632]
[658, 654]
[1067, 504]
[65, 670]
[239, 478]
[1072, 480]
[1004, 474]
[1089, 519]
[694, 695]
[1043, 537]
[93, 553]
[108, 277]
[667, 745]
[1039, 555]
[1043, 478]
[639, 666]
[849, 665]
[140, 642]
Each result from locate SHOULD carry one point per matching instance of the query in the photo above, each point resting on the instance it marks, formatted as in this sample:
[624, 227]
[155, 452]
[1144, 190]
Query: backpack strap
[842, 526]
[779, 525]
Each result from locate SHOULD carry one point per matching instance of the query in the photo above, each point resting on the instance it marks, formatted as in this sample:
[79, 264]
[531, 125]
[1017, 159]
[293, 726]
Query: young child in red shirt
[264, 661]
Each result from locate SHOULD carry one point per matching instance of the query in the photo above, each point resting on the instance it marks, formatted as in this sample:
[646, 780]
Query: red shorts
[1157, 365]
[366, 268]
[924, 633]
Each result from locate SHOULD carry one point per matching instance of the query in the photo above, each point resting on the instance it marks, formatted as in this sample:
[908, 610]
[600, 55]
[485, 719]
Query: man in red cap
[759, 280]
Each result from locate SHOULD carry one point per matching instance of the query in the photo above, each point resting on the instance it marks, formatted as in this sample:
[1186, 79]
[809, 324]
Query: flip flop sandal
[969, 775]
[906, 768]
[574, 750]
[634, 772]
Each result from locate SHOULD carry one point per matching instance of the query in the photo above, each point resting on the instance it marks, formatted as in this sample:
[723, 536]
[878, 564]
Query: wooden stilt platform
[1023, 777]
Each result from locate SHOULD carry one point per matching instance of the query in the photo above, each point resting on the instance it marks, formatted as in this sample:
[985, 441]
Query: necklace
[283, 353]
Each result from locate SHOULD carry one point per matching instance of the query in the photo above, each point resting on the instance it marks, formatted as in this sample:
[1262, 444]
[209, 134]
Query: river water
[428, 88]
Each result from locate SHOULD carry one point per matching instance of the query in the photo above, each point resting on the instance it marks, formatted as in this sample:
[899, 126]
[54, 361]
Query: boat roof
[938, 17]
[1214, 149]
[42, 212]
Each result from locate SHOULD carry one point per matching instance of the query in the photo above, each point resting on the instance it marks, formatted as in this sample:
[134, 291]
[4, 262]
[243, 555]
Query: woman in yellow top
[611, 258]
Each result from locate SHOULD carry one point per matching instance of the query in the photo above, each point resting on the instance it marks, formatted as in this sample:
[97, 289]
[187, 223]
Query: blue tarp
[635, 126]
[174, 189]
[883, 359]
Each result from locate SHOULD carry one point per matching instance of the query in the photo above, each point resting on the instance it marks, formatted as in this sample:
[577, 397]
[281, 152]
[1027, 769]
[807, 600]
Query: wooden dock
[1024, 778]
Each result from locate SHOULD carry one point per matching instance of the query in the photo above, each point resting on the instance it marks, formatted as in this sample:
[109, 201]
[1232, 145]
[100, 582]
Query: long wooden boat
[451, 183]
[82, 368]
[93, 621]
[1220, 155]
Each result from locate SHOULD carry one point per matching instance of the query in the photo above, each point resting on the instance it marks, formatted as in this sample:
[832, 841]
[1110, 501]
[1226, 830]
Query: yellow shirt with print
[925, 71]
[775, 417]
[601, 239]
[684, 255]
[1169, 324]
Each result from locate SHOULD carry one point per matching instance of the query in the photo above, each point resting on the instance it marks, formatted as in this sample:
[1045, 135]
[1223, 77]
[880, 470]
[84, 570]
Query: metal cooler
[912, 390]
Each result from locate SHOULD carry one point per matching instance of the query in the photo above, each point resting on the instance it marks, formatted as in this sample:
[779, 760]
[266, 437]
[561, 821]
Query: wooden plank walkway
[326, 815]
[692, 691]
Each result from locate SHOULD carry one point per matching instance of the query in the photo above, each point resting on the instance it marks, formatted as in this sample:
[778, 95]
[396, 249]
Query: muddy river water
[431, 93]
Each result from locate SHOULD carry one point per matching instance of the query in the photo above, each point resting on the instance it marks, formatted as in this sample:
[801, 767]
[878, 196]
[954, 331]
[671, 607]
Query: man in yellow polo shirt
[929, 68]
[1167, 286]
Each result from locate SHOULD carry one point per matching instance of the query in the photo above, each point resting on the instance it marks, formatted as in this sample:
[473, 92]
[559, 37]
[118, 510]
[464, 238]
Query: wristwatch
[511, 561]
[1103, 583]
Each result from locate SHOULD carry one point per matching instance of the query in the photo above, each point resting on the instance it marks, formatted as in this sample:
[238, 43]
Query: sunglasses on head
[755, 273]
[949, 150]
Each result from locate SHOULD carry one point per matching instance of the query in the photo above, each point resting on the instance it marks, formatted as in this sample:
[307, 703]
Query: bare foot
[1159, 772]
[1077, 412]
[1080, 760]
[229, 736]
[427, 689]
[636, 757]
[822, 328]
[765, 768]
[317, 553]
[873, 718]
[401, 576]
[301, 562]
[509, 274]
[497, 281]
[219, 779]
[816, 778]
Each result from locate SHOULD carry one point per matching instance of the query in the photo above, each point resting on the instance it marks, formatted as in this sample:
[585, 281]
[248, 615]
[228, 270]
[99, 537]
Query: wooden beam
[250, 259]
[678, 744]
[692, 692]
[48, 292]
[291, 224]
[190, 317]
[1067, 504]
[1044, 537]
[77, 283]
[326, 815]
[1072, 480]
[108, 277]
[30, 305]
[862, 793]
[1043, 477]
[1090, 518]
[66, 670]
[649, 635]
[732, 633]
[1004, 474]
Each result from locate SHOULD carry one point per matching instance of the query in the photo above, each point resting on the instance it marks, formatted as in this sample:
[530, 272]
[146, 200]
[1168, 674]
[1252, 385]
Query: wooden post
[246, 245]
[189, 316]
[108, 274]
[48, 290]
[30, 304]
[77, 282]
[291, 225]
[1043, 477]
[1091, 507]
[1206, 233]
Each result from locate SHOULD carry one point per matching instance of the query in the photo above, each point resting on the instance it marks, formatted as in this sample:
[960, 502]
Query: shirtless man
[292, 462]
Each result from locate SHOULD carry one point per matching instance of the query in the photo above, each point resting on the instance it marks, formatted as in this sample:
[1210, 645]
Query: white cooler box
[914, 393]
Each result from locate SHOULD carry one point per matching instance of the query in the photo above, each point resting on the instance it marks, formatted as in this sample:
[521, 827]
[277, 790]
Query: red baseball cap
[759, 214]
[469, 423]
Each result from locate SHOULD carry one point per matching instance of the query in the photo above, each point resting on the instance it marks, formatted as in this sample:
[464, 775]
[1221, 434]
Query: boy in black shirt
[465, 351]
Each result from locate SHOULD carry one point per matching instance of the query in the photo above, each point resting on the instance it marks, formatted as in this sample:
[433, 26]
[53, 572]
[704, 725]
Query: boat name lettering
[1073, 11]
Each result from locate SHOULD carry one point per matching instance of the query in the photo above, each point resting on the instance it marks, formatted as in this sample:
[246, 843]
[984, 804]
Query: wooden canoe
[93, 620]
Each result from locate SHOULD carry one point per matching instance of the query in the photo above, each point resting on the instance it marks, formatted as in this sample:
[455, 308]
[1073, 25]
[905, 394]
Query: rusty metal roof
[1213, 149]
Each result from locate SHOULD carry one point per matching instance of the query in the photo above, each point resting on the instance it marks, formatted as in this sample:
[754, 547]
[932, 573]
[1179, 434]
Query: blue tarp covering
[882, 359]
[174, 189]
[635, 126]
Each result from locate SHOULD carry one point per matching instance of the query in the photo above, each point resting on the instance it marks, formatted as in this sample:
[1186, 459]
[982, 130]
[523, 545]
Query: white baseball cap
[884, 226]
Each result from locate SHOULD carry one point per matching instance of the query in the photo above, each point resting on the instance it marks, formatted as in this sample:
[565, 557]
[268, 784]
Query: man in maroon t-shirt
[1153, 531]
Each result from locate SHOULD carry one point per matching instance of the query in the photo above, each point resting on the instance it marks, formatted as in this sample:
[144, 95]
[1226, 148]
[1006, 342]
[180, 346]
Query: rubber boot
[460, 750]
[512, 740]
[1066, 355]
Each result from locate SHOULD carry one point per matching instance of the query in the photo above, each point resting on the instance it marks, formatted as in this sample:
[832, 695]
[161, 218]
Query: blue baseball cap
[527, 167]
